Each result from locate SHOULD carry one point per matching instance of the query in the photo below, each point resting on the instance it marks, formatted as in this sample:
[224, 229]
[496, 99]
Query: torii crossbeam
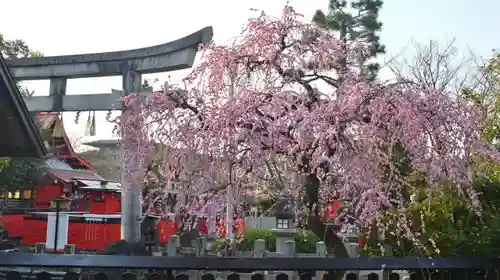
[171, 56]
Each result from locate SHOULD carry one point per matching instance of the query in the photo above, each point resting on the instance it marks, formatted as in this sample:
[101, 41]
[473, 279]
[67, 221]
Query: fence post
[290, 252]
[320, 253]
[40, 248]
[259, 251]
[388, 253]
[69, 249]
[352, 249]
[200, 246]
[353, 252]
[172, 246]
[290, 248]
[200, 249]
[259, 248]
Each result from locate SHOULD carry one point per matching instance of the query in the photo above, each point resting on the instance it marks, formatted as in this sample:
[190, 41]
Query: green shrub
[305, 241]
[252, 234]
[447, 226]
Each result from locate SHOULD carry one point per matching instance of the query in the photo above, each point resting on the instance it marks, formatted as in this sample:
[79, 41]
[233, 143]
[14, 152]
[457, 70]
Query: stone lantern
[285, 229]
[284, 211]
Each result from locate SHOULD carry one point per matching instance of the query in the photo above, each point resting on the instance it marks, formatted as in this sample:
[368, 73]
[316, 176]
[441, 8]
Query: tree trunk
[332, 241]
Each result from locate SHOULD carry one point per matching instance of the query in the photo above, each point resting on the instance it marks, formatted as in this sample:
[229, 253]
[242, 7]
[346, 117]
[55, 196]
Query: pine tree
[355, 20]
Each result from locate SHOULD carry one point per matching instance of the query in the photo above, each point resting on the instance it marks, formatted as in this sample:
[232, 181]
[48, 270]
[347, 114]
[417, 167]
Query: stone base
[284, 231]
[282, 236]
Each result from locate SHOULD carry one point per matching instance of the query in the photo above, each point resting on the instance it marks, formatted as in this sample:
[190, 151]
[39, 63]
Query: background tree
[484, 92]
[448, 226]
[21, 174]
[355, 21]
[103, 161]
[17, 48]
[435, 66]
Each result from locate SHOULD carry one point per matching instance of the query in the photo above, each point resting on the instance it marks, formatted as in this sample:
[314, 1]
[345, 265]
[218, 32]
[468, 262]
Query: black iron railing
[17, 266]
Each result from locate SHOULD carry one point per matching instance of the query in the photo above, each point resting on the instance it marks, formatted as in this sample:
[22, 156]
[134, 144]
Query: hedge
[305, 241]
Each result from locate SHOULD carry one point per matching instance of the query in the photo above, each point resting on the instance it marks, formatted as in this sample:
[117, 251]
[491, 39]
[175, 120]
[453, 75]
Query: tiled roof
[95, 185]
[68, 176]
[46, 120]
[55, 163]
[98, 143]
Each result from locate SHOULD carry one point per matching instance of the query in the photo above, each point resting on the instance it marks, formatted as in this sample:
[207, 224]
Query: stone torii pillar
[130, 64]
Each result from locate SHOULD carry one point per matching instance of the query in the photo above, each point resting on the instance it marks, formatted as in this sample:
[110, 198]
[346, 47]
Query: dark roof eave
[20, 107]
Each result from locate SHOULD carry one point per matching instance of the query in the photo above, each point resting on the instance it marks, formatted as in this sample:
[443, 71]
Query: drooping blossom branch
[346, 133]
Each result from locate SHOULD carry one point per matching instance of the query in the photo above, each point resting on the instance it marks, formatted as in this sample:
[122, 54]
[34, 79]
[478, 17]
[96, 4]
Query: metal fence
[72, 267]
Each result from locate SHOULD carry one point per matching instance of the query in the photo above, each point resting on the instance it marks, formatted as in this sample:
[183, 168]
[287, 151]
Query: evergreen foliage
[356, 21]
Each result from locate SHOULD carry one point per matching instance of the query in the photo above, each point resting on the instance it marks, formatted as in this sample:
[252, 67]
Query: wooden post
[229, 189]
[56, 233]
[229, 209]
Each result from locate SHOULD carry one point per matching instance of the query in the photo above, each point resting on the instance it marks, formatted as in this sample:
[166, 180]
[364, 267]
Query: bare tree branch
[434, 65]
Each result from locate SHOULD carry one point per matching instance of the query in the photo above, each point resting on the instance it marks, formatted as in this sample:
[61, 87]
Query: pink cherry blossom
[282, 89]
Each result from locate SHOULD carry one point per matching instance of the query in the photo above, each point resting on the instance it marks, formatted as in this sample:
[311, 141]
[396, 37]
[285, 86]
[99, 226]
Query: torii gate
[130, 64]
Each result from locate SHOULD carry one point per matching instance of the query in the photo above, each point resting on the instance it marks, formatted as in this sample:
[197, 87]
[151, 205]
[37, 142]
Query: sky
[58, 27]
